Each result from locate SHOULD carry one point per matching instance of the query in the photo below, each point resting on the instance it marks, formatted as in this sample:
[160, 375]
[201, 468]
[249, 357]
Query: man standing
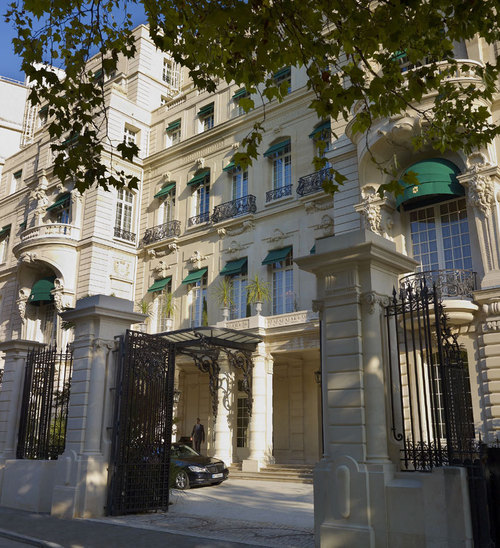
[198, 435]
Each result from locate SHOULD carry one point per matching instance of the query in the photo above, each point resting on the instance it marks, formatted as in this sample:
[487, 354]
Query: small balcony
[199, 219]
[235, 208]
[124, 235]
[310, 184]
[54, 230]
[451, 283]
[162, 232]
[278, 193]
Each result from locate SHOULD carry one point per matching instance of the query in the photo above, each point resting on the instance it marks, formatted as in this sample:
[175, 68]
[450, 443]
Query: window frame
[197, 302]
[283, 300]
[285, 179]
[124, 210]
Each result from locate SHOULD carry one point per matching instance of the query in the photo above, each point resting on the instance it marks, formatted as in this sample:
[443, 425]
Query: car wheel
[182, 480]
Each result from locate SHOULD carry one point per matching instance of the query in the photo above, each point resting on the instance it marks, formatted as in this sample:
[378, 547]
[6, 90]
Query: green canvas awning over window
[277, 147]
[277, 255]
[173, 125]
[199, 177]
[72, 139]
[98, 74]
[165, 190]
[318, 130]
[230, 167]
[160, 285]
[195, 276]
[285, 71]
[240, 93]
[41, 290]
[437, 177]
[44, 110]
[17, 174]
[60, 202]
[232, 268]
[5, 230]
[207, 109]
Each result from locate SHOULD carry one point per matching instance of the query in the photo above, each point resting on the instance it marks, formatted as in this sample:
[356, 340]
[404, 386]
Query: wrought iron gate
[140, 459]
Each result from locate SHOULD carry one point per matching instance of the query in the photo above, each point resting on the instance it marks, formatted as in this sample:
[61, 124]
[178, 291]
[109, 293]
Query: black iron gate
[431, 404]
[140, 459]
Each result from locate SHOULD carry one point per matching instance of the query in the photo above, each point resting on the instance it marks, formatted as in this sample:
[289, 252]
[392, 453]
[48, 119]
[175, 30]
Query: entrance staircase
[293, 473]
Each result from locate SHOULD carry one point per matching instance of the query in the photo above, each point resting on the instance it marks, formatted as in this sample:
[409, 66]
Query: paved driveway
[259, 513]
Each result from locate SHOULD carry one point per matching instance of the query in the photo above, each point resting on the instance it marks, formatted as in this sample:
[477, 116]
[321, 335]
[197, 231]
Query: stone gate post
[82, 470]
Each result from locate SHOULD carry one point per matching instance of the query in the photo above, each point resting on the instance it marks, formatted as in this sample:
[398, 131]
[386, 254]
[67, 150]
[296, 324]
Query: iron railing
[449, 282]
[162, 232]
[234, 208]
[278, 193]
[313, 182]
[124, 234]
[44, 407]
[199, 219]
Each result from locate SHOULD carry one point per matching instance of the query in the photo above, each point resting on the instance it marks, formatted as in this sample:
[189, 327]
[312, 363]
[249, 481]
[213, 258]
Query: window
[198, 314]
[240, 183]
[200, 198]
[242, 418]
[123, 224]
[130, 136]
[15, 182]
[440, 236]
[173, 133]
[284, 75]
[4, 243]
[239, 308]
[321, 138]
[240, 94]
[166, 211]
[281, 261]
[165, 305]
[60, 210]
[171, 73]
[206, 118]
[282, 168]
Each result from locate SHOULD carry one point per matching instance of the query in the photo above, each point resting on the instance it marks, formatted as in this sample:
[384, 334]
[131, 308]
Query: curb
[4, 533]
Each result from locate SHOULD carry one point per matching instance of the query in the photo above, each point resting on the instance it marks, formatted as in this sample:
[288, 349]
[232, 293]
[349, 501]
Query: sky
[10, 64]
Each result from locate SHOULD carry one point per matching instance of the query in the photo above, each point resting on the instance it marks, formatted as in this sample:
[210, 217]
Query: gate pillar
[356, 272]
[81, 475]
[223, 446]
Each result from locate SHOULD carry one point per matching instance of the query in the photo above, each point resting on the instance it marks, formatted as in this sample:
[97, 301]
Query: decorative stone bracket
[377, 212]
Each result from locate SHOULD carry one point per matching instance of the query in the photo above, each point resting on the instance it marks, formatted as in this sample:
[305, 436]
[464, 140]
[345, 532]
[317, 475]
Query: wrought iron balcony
[278, 193]
[312, 183]
[162, 232]
[450, 282]
[228, 210]
[199, 219]
[124, 234]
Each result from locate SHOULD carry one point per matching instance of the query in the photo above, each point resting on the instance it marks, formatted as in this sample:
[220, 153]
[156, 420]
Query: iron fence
[199, 219]
[162, 232]
[240, 206]
[44, 407]
[278, 193]
[449, 282]
[124, 234]
[313, 182]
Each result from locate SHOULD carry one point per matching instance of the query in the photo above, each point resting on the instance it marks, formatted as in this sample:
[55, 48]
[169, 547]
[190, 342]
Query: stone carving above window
[479, 183]
[196, 259]
[160, 271]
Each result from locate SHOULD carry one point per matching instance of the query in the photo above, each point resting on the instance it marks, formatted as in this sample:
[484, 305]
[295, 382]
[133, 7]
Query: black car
[191, 468]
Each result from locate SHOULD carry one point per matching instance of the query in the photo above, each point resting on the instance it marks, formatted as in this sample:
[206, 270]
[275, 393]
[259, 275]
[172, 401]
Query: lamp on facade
[317, 376]
[177, 396]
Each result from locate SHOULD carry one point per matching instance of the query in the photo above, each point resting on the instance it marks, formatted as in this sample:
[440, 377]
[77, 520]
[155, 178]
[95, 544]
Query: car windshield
[183, 451]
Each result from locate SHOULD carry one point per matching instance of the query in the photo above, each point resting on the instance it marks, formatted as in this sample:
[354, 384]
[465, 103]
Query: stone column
[260, 449]
[355, 272]
[82, 470]
[223, 446]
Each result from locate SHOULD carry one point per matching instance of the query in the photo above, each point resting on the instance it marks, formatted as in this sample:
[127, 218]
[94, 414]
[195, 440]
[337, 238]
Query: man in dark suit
[198, 435]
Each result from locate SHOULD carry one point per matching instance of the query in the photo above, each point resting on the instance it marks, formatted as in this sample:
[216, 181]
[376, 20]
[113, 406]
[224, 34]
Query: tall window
[60, 210]
[239, 307]
[284, 75]
[240, 184]
[440, 236]
[4, 243]
[171, 73]
[15, 182]
[130, 136]
[283, 295]
[166, 211]
[282, 168]
[201, 202]
[198, 314]
[206, 118]
[242, 418]
[123, 224]
[164, 310]
[208, 121]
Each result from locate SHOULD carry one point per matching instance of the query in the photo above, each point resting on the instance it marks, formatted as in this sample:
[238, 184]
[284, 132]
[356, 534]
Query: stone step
[275, 472]
[271, 477]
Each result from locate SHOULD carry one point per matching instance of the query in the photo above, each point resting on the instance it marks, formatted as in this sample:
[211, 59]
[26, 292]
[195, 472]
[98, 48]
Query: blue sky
[10, 64]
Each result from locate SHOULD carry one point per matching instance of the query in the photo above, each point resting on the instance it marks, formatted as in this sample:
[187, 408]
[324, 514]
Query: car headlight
[197, 468]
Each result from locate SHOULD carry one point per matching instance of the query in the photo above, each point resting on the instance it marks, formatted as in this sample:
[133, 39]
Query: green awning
[160, 285]
[5, 230]
[398, 55]
[199, 177]
[437, 177]
[278, 147]
[207, 109]
[72, 139]
[230, 167]
[18, 174]
[173, 125]
[60, 202]
[323, 127]
[195, 276]
[41, 290]
[277, 255]
[23, 225]
[98, 74]
[239, 266]
[285, 71]
[44, 110]
[165, 190]
[313, 250]
[240, 93]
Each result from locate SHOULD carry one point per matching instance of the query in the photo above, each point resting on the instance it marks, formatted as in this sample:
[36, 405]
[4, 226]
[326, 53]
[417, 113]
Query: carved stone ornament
[318, 205]
[196, 259]
[236, 230]
[21, 304]
[372, 299]
[58, 301]
[480, 193]
[160, 271]
[221, 232]
[276, 237]
[235, 145]
[28, 257]
[234, 247]
[172, 246]
[122, 269]
[370, 209]
[326, 225]
[200, 163]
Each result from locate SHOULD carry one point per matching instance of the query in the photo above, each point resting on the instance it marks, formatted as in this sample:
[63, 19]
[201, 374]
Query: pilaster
[223, 446]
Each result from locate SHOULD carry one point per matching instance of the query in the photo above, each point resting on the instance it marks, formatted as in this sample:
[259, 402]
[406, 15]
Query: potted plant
[144, 308]
[224, 295]
[167, 309]
[258, 292]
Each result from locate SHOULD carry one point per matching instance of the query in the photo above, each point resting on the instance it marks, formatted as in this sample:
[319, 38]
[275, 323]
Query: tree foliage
[348, 48]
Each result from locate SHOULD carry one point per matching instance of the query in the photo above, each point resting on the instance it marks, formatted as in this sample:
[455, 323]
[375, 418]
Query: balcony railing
[240, 206]
[54, 230]
[199, 219]
[312, 183]
[450, 283]
[162, 232]
[124, 234]
[278, 193]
